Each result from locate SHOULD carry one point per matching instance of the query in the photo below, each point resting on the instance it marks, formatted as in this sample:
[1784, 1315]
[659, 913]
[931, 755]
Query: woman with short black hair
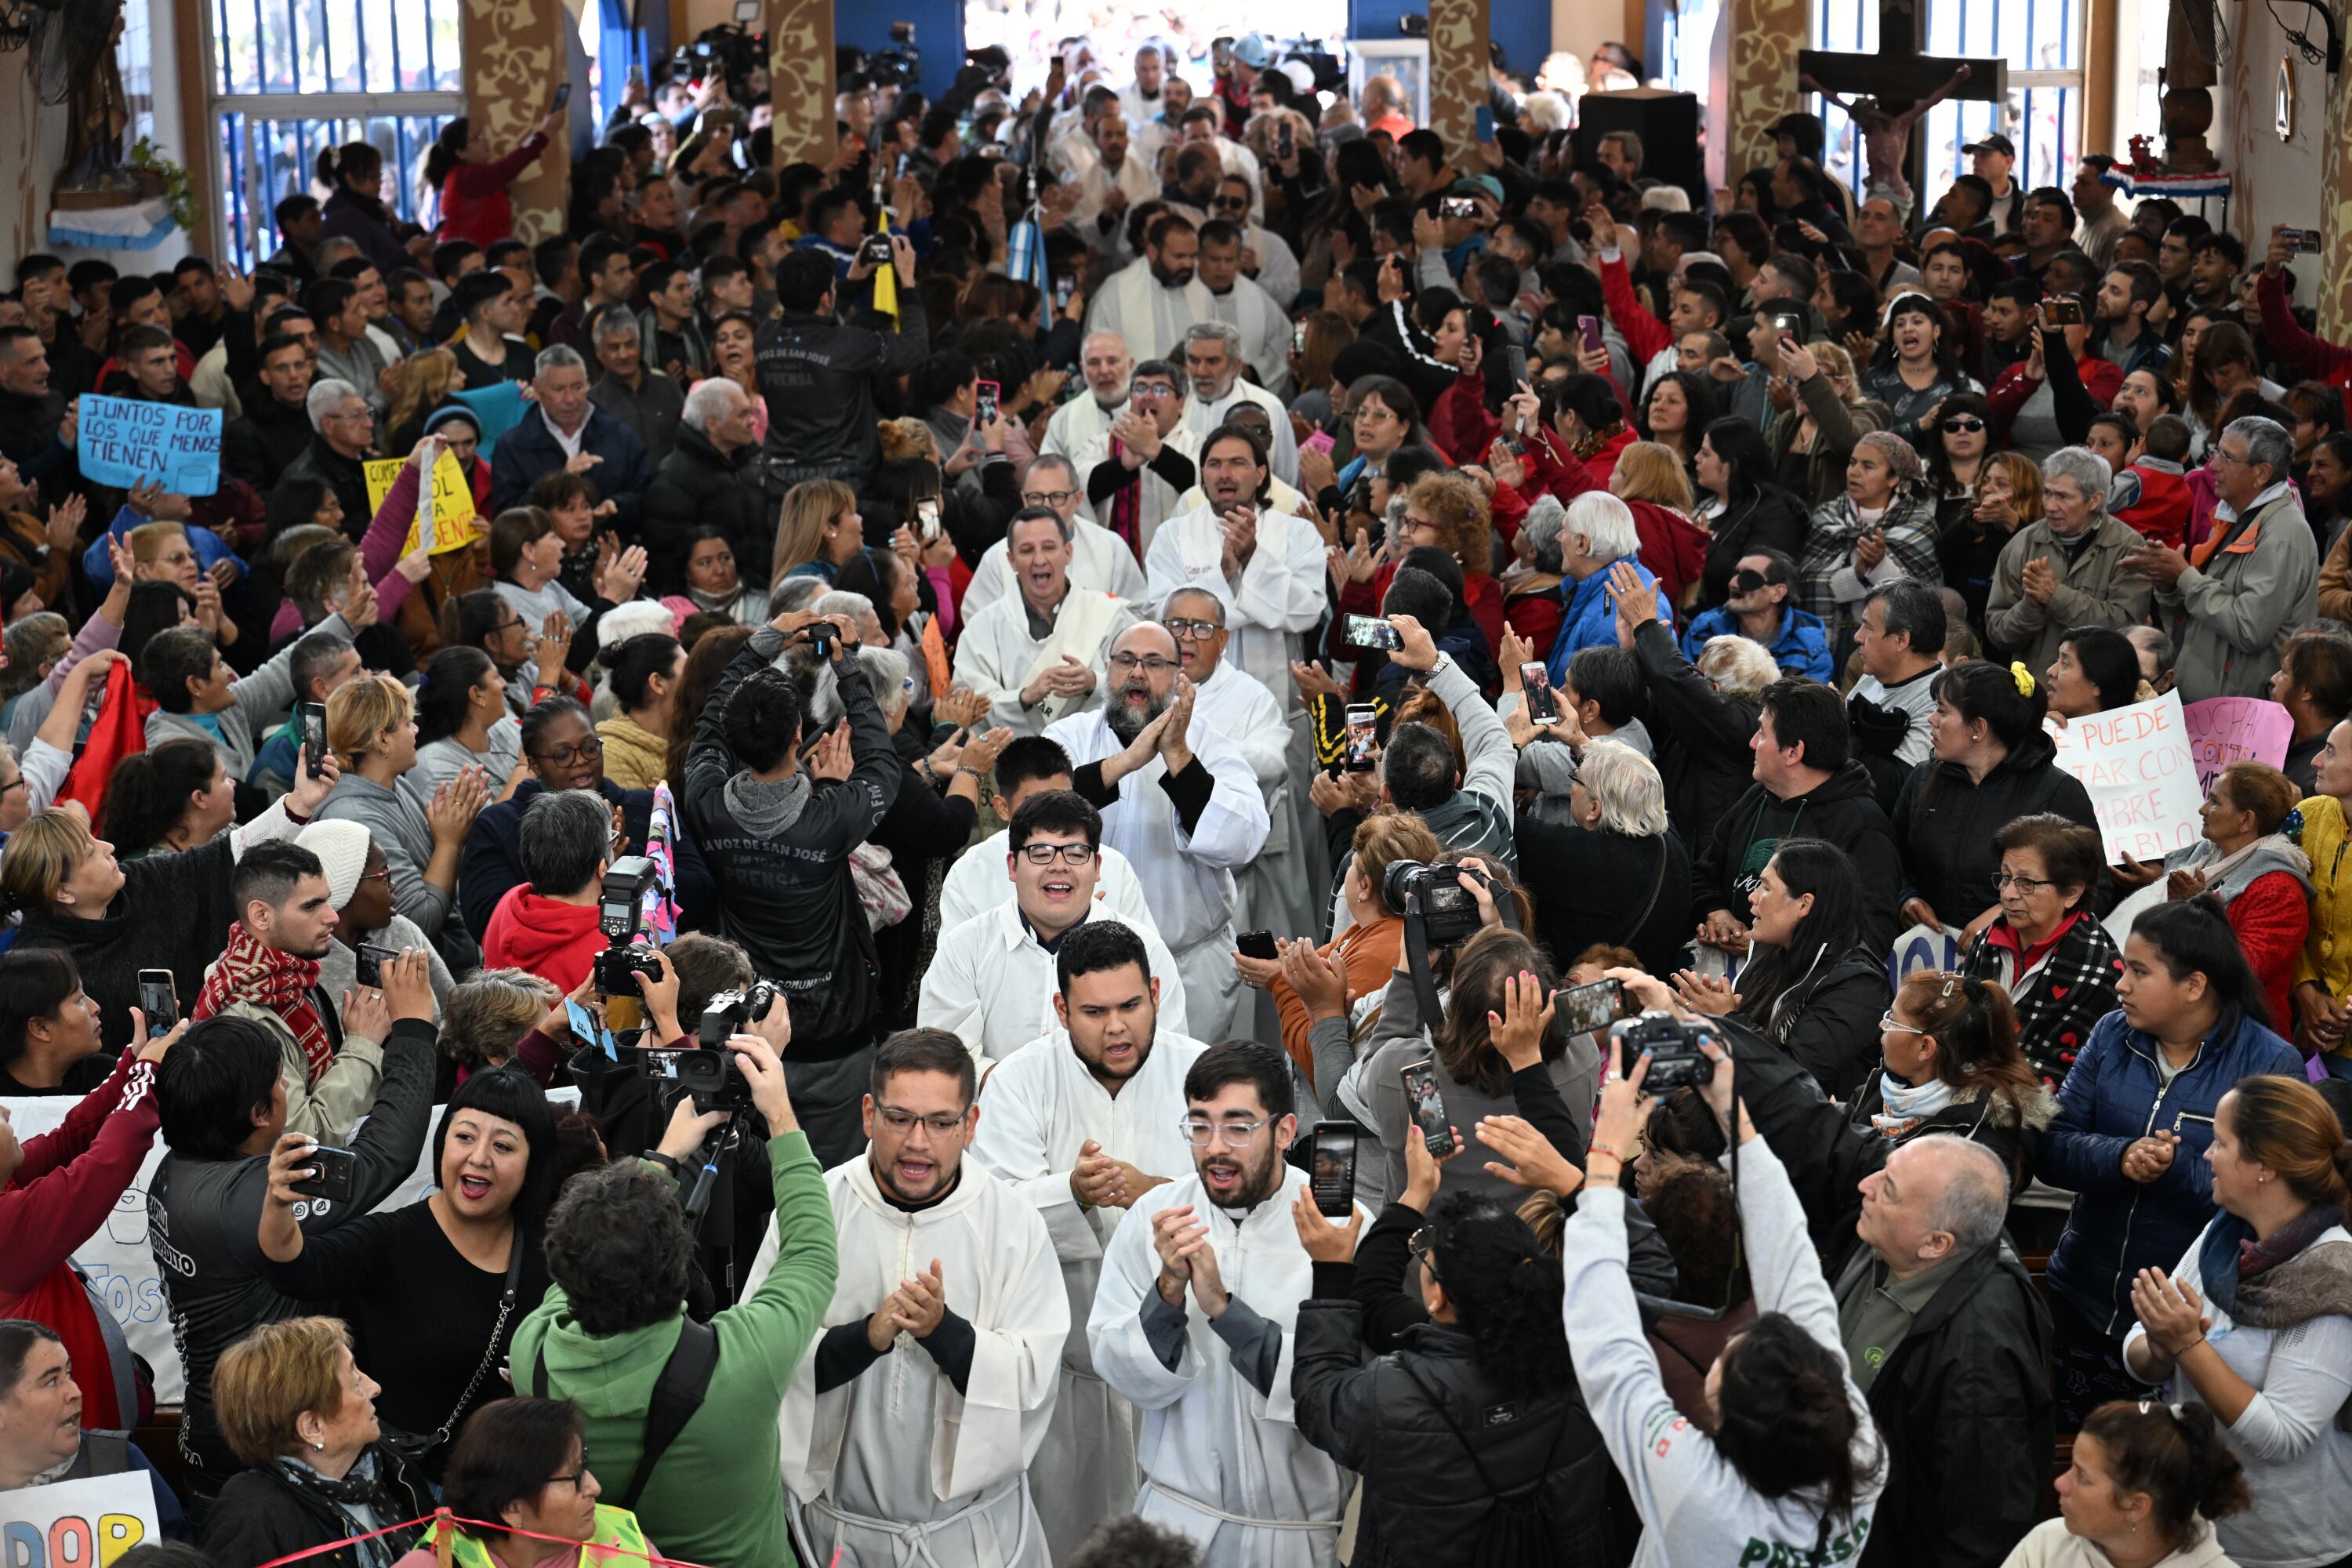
[523, 1463]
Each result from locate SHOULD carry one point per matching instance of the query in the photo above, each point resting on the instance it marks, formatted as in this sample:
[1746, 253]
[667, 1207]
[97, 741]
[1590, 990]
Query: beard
[1259, 1174]
[1127, 719]
[1170, 276]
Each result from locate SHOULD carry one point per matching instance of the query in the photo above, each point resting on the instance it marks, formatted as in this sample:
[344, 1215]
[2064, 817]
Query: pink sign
[2225, 730]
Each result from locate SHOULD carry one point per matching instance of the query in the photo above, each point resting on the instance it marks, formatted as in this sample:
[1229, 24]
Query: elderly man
[1105, 363]
[2252, 581]
[258, 448]
[343, 434]
[570, 434]
[1241, 305]
[1142, 100]
[1184, 809]
[1113, 181]
[1151, 302]
[1038, 654]
[713, 476]
[2075, 568]
[1099, 560]
[1213, 366]
[649, 403]
[1757, 608]
[1138, 470]
[1265, 567]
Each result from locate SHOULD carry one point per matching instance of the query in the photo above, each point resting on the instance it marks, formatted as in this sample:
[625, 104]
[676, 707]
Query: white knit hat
[343, 848]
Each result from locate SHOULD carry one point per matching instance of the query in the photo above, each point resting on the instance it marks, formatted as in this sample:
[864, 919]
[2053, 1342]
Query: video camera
[620, 915]
[1675, 1060]
[710, 1071]
[727, 50]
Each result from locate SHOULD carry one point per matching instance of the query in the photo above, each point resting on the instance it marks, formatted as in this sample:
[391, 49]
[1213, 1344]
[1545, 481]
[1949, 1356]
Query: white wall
[2277, 181]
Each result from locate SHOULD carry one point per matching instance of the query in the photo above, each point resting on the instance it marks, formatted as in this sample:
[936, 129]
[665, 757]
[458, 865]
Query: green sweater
[717, 1497]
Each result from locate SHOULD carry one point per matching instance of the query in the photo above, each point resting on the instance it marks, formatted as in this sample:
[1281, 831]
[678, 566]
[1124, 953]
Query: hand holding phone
[159, 999]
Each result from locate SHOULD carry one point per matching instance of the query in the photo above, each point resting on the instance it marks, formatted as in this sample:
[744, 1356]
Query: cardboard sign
[2225, 730]
[2135, 765]
[78, 1524]
[1923, 947]
[453, 501]
[123, 443]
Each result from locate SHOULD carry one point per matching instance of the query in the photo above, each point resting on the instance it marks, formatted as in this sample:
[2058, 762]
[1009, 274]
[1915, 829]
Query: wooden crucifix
[1889, 92]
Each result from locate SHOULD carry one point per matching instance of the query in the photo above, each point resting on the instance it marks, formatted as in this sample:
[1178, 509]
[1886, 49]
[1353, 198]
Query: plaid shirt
[1910, 525]
[2058, 1000]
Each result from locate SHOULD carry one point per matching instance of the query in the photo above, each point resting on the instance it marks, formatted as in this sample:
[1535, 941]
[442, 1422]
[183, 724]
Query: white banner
[121, 1267]
[2136, 763]
[1923, 947]
[78, 1524]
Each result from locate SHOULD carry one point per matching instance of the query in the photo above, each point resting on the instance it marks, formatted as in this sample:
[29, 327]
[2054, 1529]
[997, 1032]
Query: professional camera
[1448, 913]
[711, 1076]
[620, 913]
[730, 1012]
[874, 251]
[1675, 1060]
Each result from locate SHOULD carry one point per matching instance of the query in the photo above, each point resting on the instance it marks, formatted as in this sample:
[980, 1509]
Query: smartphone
[1585, 1008]
[1258, 944]
[1589, 329]
[1428, 1105]
[926, 519]
[1282, 139]
[2301, 241]
[990, 396]
[563, 94]
[1535, 681]
[159, 998]
[1064, 285]
[331, 1170]
[1482, 124]
[1458, 206]
[371, 959]
[1515, 365]
[1331, 1168]
[637, 76]
[1788, 319]
[1363, 738]
[1370, 631]
[2063, 311]
[1299, 338]
[313, 719]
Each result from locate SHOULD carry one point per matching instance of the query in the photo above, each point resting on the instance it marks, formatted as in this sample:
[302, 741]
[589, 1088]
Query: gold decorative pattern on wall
[514, 58]
[800, 73]
[1761, 42]
[2335, 289]
[1457, 73]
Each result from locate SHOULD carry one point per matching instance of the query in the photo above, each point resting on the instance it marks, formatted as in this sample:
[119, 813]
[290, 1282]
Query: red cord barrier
[446, 1519]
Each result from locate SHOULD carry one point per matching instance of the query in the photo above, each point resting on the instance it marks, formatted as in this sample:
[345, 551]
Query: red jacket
[1459, 421]
[68, 1183]
[474, 201]
[2101, 378]
[1553, 469]
[2162, 511]
[2271, 919]
[1484, 594]
[2313, 358]
[555, 941]
[1644, 334]
[1673, 547]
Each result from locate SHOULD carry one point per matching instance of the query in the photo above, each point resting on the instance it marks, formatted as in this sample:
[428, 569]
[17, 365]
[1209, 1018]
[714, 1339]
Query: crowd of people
[1152, 828]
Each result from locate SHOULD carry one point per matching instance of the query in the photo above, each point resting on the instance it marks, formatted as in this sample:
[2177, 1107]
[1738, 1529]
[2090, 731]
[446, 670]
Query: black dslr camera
[710, 1071]
[1675, 1060]
[620, 911]
[875, 251]
[1448, 913]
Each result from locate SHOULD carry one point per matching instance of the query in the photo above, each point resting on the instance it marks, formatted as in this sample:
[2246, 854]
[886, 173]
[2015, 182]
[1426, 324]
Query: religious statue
[98, 114]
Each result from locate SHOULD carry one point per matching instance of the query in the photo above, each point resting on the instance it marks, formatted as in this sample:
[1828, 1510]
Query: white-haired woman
[1618, 876]
[1883, 528]
[1598, 536]
[1532, 605]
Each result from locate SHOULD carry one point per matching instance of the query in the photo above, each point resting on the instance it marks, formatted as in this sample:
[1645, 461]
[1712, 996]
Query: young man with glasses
[1086, 1119]
[1266, 257]
[1099, 560]
[1027, 767]
[1265, 566]
[913, 1426]
[1208, 1367]
[990, 980]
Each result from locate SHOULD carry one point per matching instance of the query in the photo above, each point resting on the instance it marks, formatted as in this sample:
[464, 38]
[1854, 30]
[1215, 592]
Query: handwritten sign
[78, 1524]
[1923, 947]
[123, 443]
[2135, 763]
[453, 501]
[2225, 730]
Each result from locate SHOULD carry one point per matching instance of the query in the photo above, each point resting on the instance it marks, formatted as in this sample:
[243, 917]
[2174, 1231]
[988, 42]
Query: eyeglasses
[1962, 425]
[1192, 631]
[1233, 204]
[1231, 1134]
[382, 875]
[581, 750]
[1068, 854]
[2239, 459]
[942, 1125]
[1888, 1023]
[1151, 389]
[1057, 500]
[2026, 885]
[1126, 663]
[506, 627]
[1421, 1246]
[16, 783]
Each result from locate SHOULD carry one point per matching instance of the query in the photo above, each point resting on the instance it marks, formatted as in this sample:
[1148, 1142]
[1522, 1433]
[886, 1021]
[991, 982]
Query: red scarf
[275, 982]
[1124, 505]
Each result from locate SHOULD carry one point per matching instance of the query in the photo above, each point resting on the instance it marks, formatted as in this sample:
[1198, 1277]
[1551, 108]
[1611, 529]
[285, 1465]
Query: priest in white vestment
[1249, 310]
[1212, 364]
[1099, 560]
[1082, 1122]
[1106, 363]
[1038, 654]
[1265, 567]
[1151, 302]
[1115, 181]
[990, 980]
[1182, 803]
[1193, 1320]
[909, 1433]
[1137, 466]
[977, 879]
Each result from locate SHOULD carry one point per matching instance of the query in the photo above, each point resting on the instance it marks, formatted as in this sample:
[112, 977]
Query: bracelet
[972, 772]
[666, 1161]
[1593, 1149]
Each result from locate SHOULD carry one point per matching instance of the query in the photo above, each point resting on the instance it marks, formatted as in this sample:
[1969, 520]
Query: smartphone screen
[313, 716]
[368, 969]
[563, 94]
[1363, 738]
[1299, 339]
[1482, 121]
[1428, 1105]
[1588, 327]
[1331, 1170]
[1370, 631]
[988, 394]
[926, 519]
[159, 998]
[1584, 1008]
[1535, 680]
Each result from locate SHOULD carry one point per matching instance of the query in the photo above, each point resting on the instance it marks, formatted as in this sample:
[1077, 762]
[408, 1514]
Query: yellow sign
[454, 520]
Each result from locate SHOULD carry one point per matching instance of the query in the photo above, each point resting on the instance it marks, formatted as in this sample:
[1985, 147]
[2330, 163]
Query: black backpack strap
[678, 1393]
[538, 1372]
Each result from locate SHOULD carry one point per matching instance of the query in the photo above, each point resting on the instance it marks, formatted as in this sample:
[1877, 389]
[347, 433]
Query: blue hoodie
[1591, 619]
[1801, 646]
[2113, 1097]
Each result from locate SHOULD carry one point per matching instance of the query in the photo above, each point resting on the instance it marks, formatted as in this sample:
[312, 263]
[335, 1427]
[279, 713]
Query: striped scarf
[275, 982]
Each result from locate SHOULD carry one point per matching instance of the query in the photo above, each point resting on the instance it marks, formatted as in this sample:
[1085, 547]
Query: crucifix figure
[1900, 85]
